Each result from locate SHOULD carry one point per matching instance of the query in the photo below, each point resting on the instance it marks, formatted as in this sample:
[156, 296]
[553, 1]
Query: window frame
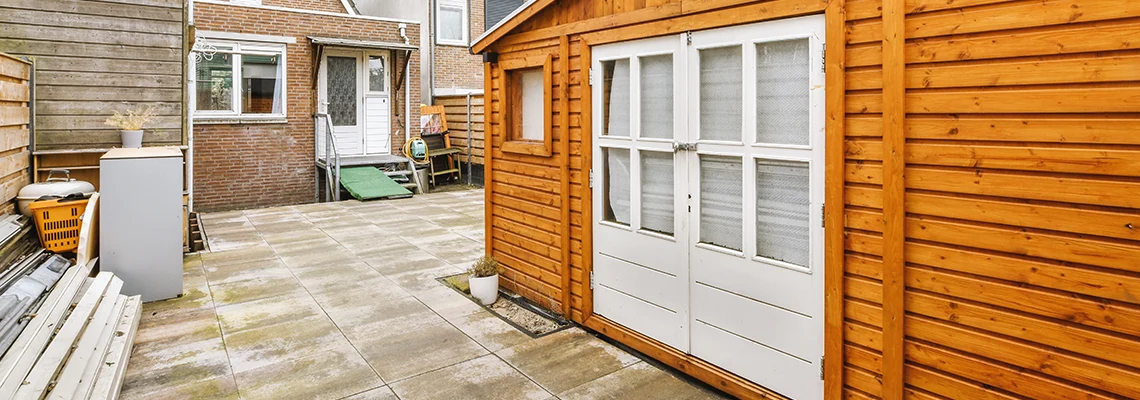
[237, 49]
[512, 112]
[465, 16]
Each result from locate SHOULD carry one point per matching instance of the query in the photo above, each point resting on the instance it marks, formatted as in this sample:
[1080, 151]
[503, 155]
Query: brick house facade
[241, 164]
[454, 67]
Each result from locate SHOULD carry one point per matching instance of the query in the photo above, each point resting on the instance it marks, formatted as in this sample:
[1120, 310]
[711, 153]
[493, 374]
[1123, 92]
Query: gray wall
[415, 10]
[97, 57]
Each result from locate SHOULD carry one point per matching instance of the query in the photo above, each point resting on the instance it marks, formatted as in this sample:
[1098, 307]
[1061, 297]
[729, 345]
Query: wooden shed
[807, 198]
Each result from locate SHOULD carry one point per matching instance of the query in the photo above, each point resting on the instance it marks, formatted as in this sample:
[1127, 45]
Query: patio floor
[339, 300]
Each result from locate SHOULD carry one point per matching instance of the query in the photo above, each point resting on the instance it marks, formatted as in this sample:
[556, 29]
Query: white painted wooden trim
[348, 7]
[462, 4]
[247, 37]
[313, 12]
[112, 370]
[81, 366]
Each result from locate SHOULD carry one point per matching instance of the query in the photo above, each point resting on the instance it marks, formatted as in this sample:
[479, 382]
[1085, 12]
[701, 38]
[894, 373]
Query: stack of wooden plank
[76, 345]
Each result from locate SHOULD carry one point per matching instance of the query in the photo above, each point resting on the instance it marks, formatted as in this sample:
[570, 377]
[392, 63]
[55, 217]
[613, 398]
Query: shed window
[528, 107]
[451, 22]
[240, 80]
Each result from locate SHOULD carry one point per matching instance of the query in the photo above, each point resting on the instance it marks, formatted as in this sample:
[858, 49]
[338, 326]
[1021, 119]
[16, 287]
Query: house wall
[238, 166]
[981, 179]
[15, 118]
[455, 67]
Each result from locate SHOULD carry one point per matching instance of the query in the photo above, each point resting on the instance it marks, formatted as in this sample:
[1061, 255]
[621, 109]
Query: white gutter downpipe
[190, 85]
[407, 87]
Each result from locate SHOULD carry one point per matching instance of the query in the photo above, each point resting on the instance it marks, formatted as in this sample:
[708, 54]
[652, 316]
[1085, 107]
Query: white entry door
[747, 174]
[354, 90]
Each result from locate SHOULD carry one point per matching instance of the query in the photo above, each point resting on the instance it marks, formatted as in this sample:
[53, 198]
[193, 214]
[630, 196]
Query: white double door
[708, 183]
[354, 90]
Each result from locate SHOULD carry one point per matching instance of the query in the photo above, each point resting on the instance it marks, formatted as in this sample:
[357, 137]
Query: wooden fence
[15, 120]
[457, 124]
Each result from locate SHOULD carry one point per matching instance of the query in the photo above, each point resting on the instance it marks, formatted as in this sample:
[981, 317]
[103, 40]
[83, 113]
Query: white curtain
[617, 113]
[656, 96]
[279, 86]
[721, 94]
[722, 202]
[657, 191]
[782, 207]
[782, 92]
[617, 184]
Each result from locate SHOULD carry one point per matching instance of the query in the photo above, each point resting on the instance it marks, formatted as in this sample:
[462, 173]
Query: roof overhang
[512, 20]
[361, 44]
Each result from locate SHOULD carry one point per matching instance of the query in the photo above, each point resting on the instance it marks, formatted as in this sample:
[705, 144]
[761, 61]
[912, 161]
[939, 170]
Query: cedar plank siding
[1014, 268]
[93, 58]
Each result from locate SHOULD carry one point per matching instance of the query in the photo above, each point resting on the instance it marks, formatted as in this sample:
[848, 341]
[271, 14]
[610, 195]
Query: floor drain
[516, 310]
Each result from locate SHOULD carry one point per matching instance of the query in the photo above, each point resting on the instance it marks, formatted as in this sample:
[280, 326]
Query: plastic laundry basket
[58, 222]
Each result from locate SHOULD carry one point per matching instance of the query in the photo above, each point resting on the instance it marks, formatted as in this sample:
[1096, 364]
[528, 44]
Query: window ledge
[238, 121]
[450, 44]
[533, 148]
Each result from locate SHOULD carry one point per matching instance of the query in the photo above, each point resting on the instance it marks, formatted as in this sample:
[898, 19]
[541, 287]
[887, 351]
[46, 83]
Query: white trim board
[247, 37]
[313, 12]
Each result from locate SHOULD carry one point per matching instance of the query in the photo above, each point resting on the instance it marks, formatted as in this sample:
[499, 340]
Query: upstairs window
[451, 22]
[240, 80]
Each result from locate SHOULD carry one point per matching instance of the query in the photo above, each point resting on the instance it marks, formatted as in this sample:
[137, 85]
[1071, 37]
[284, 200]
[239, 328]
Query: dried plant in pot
[131, 125]
[484, 280]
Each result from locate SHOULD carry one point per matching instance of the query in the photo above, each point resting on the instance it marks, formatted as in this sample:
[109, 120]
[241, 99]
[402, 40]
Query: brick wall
[455, 66]
[319, 5]
[241, 166]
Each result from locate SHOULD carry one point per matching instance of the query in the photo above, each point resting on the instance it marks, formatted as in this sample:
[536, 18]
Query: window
[528, 106]
[451, 22]
[240, 80]
[376, 76]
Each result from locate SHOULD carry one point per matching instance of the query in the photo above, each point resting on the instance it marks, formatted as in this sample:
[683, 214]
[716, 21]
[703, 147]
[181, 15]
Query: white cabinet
[140, 218]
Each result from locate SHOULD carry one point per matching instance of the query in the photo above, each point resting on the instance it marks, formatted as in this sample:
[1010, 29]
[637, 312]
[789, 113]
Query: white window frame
[237, 49]
[462, 6]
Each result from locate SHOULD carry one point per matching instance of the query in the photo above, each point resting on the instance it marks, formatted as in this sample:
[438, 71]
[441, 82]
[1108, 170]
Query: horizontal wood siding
[15, 117]
[456, 109]
[1019, 181]
[94, 58]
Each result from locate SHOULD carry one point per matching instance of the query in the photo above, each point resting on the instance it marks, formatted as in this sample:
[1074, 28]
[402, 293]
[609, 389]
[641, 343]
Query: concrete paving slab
[380, 393]
[486, 377]
[220, 388]
[566, 359]
[326, 375]
[423, 280]
[639, 381]
[448, 303]
[274, 310]
[253, 289]
[412, 345]
[490, 331]
[272, 344]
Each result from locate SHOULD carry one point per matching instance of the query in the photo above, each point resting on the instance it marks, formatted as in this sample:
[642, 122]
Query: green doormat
[367, 183]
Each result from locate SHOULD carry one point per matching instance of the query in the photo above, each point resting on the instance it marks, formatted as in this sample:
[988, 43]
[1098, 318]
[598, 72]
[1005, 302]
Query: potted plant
[484, 280]
[131, 125]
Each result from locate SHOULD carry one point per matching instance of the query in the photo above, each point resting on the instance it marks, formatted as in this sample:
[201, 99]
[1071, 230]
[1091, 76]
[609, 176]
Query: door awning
[365, 44]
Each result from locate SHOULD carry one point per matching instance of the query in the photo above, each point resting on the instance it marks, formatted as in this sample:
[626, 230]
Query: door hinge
[821, 368]
[689, 38]
[591, 76]
[823, 59]
[591, 178]
[823, 215]
[591, 280]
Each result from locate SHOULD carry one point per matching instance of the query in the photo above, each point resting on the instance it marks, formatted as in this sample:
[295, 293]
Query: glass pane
[616, 97]
[782, 207]
[617, 185]
[450, 24]
[261, 90]
[214, 83]
[657, 96]
[721, 93]
[533, 104]
[782, 86]
[342, 90]
[722, 202]
[376, 74]
[657, 191]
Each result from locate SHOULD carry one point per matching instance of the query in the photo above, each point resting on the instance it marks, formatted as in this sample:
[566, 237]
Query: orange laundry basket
[58, 222]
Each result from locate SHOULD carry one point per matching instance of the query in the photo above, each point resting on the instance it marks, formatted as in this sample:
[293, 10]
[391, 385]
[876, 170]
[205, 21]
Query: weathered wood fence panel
[97, 57]
[15, 121]
[457, 122]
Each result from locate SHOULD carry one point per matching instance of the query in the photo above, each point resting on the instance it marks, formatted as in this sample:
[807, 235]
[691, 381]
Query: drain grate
[515, 310]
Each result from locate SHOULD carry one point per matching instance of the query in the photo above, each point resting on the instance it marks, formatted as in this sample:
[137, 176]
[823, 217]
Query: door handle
[678, 146]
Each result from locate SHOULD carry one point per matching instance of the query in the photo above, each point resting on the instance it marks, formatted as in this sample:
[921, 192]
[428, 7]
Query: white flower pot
[485, 289]
[132, 139]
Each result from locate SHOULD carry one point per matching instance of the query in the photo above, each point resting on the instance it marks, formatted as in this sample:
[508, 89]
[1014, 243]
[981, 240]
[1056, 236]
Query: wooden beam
[894, 163]
[587, 194]
[835, 82]
[564, 166]
[489, 147]
[510, 24]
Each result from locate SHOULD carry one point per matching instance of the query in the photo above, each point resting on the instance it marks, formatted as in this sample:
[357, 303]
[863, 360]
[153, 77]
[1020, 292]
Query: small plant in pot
[484, 280]
[131, 125]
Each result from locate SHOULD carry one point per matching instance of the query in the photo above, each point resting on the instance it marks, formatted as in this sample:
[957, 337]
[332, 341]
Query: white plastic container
[52, 187]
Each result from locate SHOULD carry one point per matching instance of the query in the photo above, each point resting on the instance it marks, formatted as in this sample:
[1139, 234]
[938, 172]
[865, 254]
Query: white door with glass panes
[353, 90]
[732, 161]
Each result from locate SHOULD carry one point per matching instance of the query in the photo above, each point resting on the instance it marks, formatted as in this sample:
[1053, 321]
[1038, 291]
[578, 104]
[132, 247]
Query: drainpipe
[407, 86]
[190, 86]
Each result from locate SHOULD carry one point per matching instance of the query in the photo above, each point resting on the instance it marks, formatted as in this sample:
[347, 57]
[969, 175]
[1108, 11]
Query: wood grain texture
[894, 226]
[833, 203]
